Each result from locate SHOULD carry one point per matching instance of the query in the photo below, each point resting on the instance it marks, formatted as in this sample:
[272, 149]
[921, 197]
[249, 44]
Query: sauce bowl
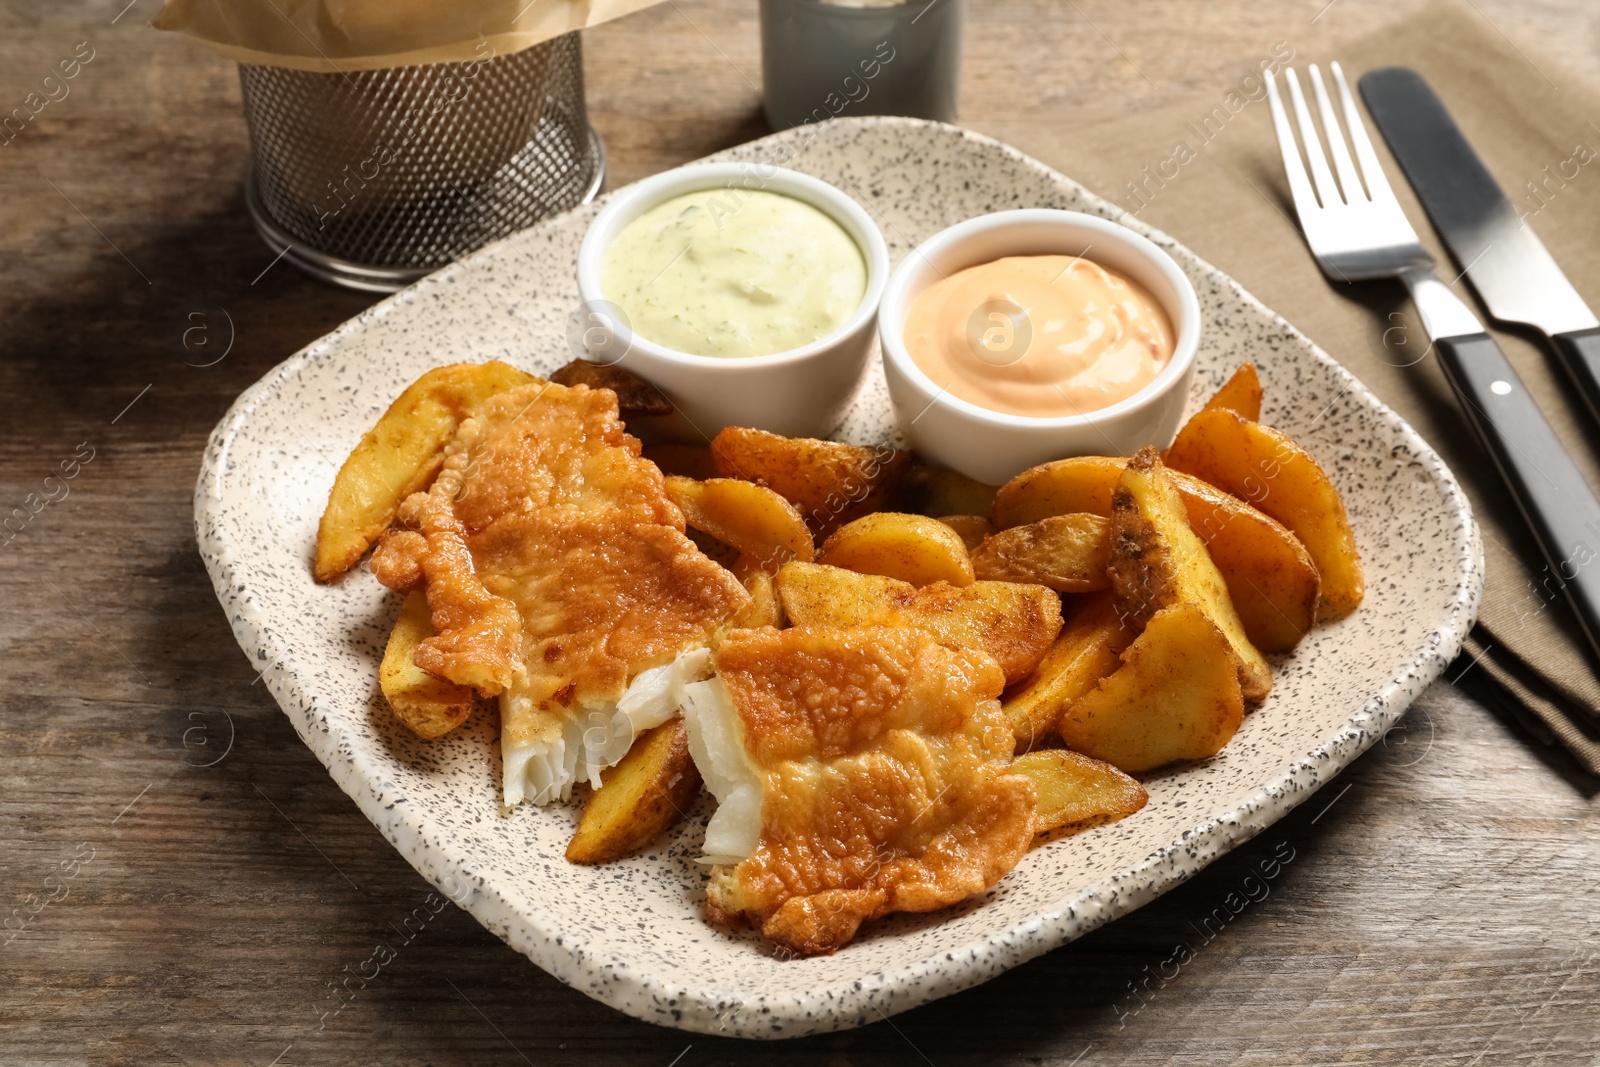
[992, 446]
[801, 392]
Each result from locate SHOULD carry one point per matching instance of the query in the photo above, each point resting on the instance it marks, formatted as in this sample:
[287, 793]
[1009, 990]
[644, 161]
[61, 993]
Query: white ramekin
[991, 446]
[802, 392]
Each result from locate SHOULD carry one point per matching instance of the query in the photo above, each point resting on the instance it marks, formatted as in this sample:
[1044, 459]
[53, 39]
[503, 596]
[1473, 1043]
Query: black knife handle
[1580, 355]
[1555, 500]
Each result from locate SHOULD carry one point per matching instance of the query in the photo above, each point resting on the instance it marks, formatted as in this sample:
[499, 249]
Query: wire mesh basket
[374, 178]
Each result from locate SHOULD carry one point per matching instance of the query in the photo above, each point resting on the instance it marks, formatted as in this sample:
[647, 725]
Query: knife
[1510, 269]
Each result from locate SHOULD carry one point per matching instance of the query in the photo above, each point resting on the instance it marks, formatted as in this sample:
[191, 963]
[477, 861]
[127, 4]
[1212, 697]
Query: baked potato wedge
[829, 482]
[746, 516]
[1265, 468]
[1271, 578]
[1061, 487]
[1175, 697]
[936, 491]
[1076, 791]
[763, 609]
[1086, 651]
[1240, 393]
[635, 396]
[1067, 553]
[1157, 560]
[429, 705]
[1272, 581]
[648, 791]
[399, 456]
[972, 529]
[1015, 624]
[912, 548]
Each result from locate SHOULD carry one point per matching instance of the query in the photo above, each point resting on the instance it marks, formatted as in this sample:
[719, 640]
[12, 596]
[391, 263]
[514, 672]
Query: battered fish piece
[857, 772]
[560, 579]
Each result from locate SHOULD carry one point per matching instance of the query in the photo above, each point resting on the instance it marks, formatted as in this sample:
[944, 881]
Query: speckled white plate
[631, 934]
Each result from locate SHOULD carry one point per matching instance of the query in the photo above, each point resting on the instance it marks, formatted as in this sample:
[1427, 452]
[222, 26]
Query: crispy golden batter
[1012, 622]
[884, 758]
[556, 570]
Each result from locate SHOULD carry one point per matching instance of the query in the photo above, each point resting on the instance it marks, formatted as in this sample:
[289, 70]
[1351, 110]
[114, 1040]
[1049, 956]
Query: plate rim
[886, 992]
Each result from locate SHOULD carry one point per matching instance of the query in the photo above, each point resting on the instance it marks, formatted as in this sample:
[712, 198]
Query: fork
[1358, 234]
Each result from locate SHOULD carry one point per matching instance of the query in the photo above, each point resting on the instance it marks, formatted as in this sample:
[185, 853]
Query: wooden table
[1440, 907]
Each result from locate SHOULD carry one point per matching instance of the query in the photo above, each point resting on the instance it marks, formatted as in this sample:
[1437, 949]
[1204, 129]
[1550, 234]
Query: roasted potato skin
[399, 456]
[1158, 560]
[635, 396]
[1016, 624]
[1087, 650]
[764, 609]
[429, 706]
[1265, 468]
[1271, 578]
[1175, 697]
[1076, 792]
[972, 529]
[751, 518]
[912, 548]
[1240, 393]
[647, 792]
[1067, 553]
[829, 482]
[1272, 581]
[1064, 486]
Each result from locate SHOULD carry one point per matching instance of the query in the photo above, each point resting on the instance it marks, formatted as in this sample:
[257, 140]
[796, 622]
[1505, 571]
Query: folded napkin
[1207, 171]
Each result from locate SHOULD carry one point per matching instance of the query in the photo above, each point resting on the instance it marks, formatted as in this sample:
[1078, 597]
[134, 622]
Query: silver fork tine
[1327, 192]
[1349, 182]
[1305, 201]
[1371, 169]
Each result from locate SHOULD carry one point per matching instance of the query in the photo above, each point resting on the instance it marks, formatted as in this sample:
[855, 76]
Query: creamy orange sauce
[1039, 336]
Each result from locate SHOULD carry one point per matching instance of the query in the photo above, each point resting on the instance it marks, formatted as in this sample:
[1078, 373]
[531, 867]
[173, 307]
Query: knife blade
[1510, 268]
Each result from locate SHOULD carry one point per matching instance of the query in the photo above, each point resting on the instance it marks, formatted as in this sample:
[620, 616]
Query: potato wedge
[1175, 697]
[972, 529]
[829, 482]
[1264, 467]
[427, 704]
[912, 548]
[1082, 483]
[650, 790]
[744, 515]
[1157, 560]
[763, 609]
[1240, 393]
[691, 461]
[1076, 791]
[1016, 624]
[1271, 578]
[936, 491]
[1067, 553]
[400, 456]
[635, 396]
[1086, 651]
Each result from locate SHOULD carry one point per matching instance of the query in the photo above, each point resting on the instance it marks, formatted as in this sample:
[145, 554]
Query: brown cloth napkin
[1207, 171]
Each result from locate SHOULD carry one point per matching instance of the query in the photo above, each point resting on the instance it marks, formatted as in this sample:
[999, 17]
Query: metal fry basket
[373, 179]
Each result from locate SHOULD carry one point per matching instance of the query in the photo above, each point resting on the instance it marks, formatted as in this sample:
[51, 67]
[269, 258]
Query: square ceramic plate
[631, 934]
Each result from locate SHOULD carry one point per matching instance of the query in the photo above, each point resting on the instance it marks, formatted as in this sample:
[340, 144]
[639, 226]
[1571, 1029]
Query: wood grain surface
[185, 884]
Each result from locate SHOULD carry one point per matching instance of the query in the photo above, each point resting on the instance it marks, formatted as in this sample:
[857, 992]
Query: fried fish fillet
[858, 772]
[560, 579]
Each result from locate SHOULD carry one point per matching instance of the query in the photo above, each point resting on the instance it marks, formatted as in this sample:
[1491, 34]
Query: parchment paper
[339, 36]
